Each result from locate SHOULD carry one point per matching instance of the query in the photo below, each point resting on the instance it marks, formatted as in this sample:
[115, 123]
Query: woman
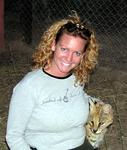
[49, 107]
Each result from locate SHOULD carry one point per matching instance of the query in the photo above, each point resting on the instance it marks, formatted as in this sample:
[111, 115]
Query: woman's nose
[69, 57]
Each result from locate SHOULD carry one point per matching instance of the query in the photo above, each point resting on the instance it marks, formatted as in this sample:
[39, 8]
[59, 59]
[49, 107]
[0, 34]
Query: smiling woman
[40, 117]
[68, 52]
[70, 29]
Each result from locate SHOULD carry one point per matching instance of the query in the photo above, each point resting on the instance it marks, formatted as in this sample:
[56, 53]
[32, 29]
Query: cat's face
[101, 116]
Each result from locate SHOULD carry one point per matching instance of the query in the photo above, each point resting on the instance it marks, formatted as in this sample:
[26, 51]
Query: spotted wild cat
[100, 118]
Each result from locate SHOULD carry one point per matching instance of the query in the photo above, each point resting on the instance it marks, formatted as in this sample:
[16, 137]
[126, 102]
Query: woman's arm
[20, 110]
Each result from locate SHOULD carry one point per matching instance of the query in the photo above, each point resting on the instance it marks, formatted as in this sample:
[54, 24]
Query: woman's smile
[68, 52]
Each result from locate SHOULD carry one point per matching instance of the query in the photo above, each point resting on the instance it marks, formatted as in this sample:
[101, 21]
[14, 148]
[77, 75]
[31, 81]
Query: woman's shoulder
[31, 77]
[29, 81]
[33, 74]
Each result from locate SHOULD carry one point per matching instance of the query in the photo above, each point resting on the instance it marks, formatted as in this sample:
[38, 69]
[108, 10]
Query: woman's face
[68, 52]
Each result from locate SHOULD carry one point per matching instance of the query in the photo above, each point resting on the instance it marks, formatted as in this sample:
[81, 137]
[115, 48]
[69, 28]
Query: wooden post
[1, 23]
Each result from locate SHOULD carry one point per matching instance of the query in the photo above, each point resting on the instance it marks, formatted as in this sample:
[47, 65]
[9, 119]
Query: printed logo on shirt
[66, 97]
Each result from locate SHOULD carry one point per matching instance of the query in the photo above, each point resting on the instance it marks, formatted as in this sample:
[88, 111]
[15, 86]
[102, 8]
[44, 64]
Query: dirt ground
[108, 82]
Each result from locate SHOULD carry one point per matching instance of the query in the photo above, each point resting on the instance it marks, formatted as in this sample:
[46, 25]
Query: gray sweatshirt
[47, 112]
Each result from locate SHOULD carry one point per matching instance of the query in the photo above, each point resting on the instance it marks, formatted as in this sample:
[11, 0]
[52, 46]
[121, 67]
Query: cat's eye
[92, 122]
[101, 123]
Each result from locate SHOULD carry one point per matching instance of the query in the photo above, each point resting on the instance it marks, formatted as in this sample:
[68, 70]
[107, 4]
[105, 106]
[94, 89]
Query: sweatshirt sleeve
[20, 110]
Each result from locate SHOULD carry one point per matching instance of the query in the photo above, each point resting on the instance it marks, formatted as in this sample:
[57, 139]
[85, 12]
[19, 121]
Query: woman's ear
[53, 45]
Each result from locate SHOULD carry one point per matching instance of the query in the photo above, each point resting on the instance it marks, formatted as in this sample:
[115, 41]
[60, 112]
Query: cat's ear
[92, 104]
[92, 101]
[107, 108]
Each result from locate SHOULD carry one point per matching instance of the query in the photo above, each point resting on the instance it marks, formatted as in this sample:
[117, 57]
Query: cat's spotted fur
[100, 118]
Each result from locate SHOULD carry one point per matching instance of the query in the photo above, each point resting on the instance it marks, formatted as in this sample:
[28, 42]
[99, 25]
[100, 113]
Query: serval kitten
[100, 118]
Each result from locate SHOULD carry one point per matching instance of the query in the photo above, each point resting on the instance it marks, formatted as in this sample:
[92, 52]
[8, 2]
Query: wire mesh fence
[26, 20]
[29, 18]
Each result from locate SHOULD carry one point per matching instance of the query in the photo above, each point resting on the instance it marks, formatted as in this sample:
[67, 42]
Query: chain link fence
[29, 18]
[26, 20]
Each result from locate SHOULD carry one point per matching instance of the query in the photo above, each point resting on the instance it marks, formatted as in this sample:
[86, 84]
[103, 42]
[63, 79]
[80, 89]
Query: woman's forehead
[70, 39]
[72, 42]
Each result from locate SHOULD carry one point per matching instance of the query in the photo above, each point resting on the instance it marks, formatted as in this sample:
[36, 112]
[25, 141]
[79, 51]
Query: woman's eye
[78, 53]
[63, 49]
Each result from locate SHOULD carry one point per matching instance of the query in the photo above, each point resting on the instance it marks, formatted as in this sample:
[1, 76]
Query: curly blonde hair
[43, 54]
